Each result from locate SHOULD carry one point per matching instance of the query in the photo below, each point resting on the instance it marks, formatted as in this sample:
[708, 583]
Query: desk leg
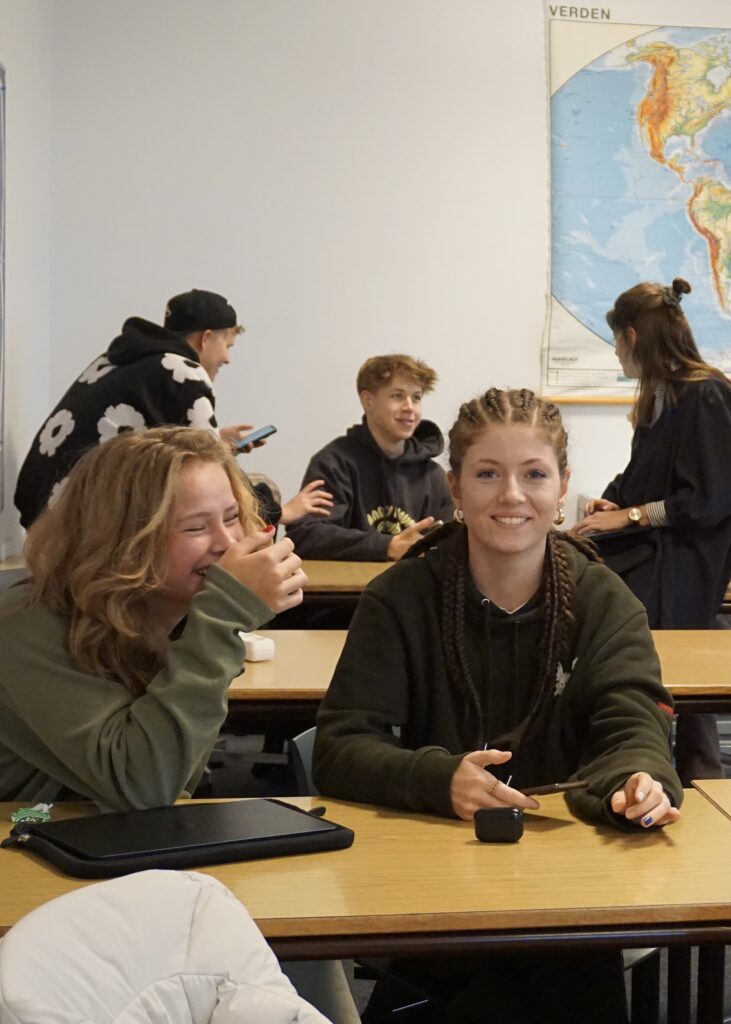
[646, 989]
[711, 961]
[678, 984]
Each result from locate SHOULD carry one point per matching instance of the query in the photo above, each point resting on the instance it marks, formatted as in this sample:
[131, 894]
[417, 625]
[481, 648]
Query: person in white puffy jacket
[154, 946]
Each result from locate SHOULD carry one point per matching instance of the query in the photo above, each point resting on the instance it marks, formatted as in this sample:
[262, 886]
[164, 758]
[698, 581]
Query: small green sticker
[32, 815]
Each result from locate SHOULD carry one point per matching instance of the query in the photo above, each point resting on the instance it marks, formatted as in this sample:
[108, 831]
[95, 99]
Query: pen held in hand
[554, 787]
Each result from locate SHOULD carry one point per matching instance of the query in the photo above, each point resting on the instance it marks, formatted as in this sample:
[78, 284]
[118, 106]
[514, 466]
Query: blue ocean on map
[618, 216]
[717, 145]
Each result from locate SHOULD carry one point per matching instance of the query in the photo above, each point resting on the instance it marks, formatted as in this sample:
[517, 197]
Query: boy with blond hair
[387, 489]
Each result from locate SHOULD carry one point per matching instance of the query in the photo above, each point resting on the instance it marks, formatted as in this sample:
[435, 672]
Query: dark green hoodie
[608, 717]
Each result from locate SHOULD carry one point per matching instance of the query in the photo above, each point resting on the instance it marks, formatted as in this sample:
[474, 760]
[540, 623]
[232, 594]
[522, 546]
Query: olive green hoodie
[65, 730]
[608, 716]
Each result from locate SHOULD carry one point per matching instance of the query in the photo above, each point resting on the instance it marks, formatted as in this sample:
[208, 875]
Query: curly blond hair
[380, 370]
[100, 549]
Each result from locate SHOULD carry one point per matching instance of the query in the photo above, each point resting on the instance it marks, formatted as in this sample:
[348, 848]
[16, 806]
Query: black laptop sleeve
[184, 836]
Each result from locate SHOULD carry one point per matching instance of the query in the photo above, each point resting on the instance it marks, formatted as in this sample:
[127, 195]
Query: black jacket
[375, 496]
[679, 571]
[148, 377]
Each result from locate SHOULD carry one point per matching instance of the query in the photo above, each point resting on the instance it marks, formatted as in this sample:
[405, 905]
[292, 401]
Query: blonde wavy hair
[100, 549]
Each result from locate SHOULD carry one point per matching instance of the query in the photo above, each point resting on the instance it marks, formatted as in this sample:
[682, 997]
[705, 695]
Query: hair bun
[680, 286]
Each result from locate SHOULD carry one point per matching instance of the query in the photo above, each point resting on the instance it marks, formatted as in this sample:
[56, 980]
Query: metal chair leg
[679, 985]
[645, 998]
[711, 963]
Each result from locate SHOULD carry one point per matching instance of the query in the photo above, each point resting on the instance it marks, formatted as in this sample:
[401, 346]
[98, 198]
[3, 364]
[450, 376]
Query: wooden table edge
[306, 696]
[697, 785]
[540, 921]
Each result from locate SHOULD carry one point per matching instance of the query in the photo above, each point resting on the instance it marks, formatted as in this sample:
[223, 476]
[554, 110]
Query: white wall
[355, 177]
[25, 53]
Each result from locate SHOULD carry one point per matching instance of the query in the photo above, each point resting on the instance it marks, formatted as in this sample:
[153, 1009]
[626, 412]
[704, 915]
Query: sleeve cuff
[655, 511]
[434, 791]
[249, 609]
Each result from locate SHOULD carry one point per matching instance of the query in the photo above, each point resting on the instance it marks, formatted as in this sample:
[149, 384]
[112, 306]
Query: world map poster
[640, 149]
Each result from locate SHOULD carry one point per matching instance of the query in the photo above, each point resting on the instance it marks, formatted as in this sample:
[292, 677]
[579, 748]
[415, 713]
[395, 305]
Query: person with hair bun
[506, 647]
[664, 523]
[119, 650]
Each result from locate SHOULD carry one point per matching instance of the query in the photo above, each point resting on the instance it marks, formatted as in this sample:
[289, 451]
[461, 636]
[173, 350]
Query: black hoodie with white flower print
[148, 377]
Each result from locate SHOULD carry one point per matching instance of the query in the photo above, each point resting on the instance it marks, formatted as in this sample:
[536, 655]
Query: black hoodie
[607, 717]
[375, 496]
[147, 378]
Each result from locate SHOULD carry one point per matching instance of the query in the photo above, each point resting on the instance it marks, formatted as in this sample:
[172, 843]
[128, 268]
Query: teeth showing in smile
[511, 520]
[201, 572]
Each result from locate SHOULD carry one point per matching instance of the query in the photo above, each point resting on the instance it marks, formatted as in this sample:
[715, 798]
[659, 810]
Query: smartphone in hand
[254, 437]
[436, 525]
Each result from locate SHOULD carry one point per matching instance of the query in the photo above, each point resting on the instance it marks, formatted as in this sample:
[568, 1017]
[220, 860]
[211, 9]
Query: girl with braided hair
[664, 524]
[506, 642]
[506, 635]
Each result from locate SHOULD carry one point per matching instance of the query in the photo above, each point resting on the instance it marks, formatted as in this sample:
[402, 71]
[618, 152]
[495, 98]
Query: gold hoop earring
[560, 516]
[458, 515]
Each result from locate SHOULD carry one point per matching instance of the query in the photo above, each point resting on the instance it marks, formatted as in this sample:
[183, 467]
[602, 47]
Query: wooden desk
[341, 577]
[413, 884]
[718, 792]
[12, 563]
[12, 570]
[331, 595]
[324, 577]
[294, 682]
[696, 667]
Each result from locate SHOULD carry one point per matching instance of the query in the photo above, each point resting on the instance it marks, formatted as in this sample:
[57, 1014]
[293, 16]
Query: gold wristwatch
[634, 515]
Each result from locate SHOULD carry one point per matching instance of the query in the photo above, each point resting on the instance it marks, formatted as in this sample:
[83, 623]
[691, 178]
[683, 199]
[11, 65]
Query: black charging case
[499, 824]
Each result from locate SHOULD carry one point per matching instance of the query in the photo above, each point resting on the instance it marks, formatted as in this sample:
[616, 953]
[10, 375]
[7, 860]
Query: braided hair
[501, 407]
